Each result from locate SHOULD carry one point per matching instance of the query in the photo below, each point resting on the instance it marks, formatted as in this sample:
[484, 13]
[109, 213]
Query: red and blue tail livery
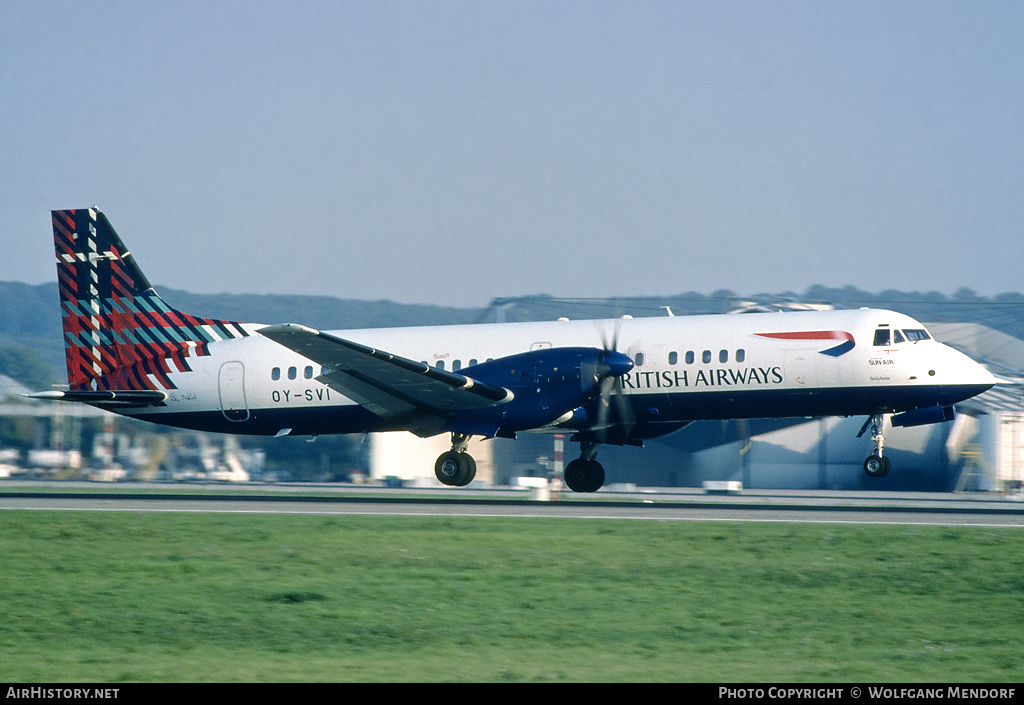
[129, 351]
[118, 333]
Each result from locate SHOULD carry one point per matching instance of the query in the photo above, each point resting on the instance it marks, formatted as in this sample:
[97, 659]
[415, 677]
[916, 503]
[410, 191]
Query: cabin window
[882, 337]
[706, 356]
[673, 358]
[440, 364]
[472, 361]
[690, 357]
[275, 374]
[723, 356]
[293, 372]
[308, 372]
[639, 359]
[456, 365]
[741, 355]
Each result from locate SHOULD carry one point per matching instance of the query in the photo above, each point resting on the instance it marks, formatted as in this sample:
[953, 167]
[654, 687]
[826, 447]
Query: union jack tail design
[118, 333]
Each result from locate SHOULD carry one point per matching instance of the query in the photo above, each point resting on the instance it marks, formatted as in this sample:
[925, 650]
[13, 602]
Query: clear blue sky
[448, 152]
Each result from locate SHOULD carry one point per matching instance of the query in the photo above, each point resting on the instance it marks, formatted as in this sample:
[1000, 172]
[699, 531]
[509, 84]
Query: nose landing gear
[876, 464]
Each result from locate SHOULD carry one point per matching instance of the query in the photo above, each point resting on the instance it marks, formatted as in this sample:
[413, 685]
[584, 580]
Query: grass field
[188, 597]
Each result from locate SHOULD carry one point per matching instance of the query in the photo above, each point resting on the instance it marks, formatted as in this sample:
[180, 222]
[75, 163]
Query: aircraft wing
[386, 384]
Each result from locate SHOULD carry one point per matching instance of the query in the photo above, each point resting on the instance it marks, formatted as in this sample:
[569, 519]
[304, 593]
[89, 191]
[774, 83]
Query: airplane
[617, 381]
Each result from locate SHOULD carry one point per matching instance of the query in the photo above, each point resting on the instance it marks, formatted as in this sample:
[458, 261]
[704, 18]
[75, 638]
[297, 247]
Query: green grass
[190, 597]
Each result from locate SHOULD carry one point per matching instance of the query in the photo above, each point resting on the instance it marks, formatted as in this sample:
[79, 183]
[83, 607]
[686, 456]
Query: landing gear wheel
[582, 475]
[455, 469]
[471, 472]
[877, 466]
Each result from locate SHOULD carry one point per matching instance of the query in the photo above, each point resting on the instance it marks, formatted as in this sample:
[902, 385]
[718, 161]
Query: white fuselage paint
[736, 371]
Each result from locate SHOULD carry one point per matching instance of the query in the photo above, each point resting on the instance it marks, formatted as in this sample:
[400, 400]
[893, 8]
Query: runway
[936, 509]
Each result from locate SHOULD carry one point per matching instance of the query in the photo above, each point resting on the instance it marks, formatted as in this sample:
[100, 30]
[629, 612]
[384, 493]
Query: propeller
[612, 367]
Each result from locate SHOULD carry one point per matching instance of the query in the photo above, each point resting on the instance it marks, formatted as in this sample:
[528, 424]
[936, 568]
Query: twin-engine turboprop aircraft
[615, 381]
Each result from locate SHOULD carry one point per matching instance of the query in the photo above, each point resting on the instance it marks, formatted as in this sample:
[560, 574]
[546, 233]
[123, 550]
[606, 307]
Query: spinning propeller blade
[614, 365]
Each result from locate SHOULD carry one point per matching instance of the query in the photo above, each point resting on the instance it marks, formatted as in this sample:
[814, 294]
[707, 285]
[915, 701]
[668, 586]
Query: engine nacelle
[547, 383]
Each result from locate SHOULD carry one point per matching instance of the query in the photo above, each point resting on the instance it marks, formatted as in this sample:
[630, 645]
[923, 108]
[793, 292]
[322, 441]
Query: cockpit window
[897, 337]
[916, 335]
[882, 337]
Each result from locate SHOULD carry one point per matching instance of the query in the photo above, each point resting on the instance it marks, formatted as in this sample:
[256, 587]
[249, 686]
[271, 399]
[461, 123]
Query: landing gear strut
[876, 465]
[584, 474]
[456, 467]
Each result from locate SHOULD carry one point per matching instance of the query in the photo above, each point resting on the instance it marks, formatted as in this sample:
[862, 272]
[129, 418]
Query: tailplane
[119, 335]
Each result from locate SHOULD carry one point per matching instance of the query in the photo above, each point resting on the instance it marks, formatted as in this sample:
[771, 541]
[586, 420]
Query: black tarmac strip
[567, 498]
[844, 507]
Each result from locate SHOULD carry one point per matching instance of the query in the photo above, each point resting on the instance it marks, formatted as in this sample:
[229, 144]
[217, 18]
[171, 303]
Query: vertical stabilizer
[118, 333]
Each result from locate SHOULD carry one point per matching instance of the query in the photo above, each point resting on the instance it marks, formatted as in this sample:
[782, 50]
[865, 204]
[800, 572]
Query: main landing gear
[584, 474]
[876, 465]
[456, 467]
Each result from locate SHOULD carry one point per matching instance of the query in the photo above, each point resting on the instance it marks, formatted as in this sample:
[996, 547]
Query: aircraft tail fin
[118, 333]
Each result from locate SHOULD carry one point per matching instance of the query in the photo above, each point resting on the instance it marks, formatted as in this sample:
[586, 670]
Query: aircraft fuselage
[686, 368]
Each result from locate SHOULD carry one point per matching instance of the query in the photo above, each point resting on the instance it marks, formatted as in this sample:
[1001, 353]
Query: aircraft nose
[982, 376]
[969, 371]
[616, 363]
[962, 371]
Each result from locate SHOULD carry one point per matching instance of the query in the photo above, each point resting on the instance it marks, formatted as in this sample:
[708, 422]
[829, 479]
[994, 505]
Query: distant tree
[18, 432]
[1010, 298]
[969, 295]
[27, 366]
